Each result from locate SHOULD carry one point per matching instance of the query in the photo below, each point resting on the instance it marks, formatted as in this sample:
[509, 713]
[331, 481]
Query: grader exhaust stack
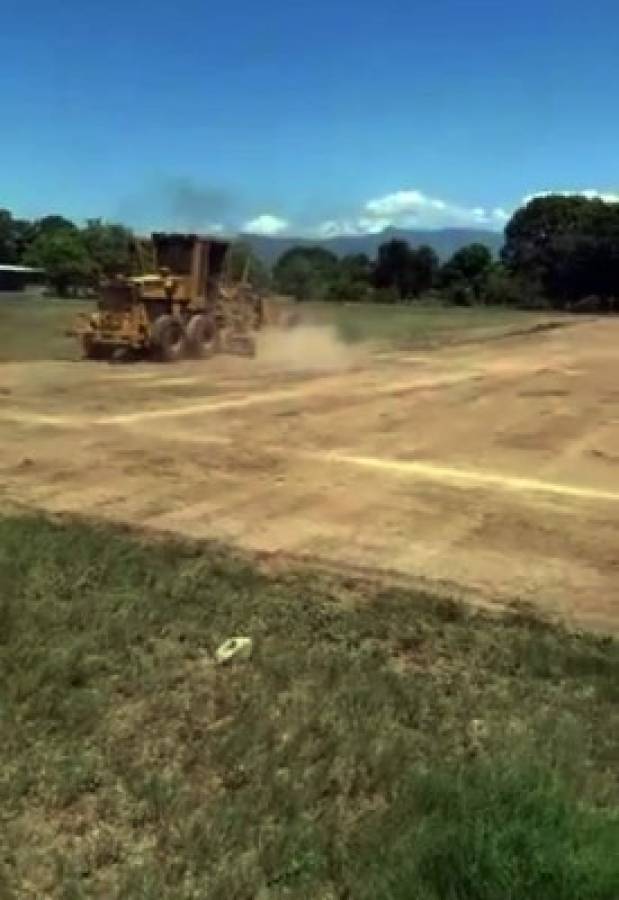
[185, 306]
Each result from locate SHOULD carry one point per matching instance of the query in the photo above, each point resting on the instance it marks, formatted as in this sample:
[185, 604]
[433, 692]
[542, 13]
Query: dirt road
[493, 467]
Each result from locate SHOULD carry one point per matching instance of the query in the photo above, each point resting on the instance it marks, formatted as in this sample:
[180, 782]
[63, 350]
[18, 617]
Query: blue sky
[315, 117]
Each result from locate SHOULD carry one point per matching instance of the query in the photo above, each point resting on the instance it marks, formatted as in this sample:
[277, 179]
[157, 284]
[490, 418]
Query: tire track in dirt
[469, 477]
[22, 417]
[455, 476]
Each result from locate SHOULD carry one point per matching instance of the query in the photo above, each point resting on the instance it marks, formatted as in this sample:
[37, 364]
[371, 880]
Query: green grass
[34, 327]
[379, 743]
[417, 325]
[506, 829]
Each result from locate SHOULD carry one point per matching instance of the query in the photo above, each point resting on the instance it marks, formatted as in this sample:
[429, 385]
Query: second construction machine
[186, 305]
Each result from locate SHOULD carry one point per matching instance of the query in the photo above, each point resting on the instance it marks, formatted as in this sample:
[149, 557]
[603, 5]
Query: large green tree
[352, 281]
[48, 225]
[108, 246]
[426, 264]
[567, 246]
[64, 256]
[465, 275]
[468, 262]
[306, 273]
[299, 279]
[406, 271]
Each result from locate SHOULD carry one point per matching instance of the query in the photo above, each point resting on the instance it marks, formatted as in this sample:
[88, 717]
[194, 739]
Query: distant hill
[444, 241]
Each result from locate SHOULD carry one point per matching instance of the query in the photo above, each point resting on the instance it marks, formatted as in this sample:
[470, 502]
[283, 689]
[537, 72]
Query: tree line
[75, 258]
[400, 273]
[72, 257]
[560, 252]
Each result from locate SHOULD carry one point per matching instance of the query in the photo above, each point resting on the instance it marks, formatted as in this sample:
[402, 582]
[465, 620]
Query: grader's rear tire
[168, 339]
[202, 336]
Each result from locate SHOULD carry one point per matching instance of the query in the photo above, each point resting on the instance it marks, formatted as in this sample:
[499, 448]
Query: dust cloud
[305, 347]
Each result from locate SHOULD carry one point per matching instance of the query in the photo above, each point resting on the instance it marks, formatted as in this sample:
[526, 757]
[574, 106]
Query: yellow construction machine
[186, 305]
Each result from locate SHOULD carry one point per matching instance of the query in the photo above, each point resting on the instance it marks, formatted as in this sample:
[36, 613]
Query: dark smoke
[191, 205]
[178, 203]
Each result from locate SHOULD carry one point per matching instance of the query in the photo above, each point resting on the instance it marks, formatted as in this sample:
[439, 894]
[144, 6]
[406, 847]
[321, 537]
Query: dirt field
[493, 467]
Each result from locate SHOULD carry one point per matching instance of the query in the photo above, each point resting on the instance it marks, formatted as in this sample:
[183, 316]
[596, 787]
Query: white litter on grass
[239, 648]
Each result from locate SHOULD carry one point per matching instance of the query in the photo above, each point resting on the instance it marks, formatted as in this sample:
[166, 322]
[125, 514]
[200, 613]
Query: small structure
[16, 278]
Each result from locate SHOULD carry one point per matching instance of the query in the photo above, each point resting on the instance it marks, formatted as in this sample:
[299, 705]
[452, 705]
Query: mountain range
[444, 241]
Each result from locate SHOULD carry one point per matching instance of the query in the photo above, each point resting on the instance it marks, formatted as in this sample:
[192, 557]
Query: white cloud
[589, 193]
[411, 208]
[348, 227]
[334, 228]
[402, 203]
[266, 224]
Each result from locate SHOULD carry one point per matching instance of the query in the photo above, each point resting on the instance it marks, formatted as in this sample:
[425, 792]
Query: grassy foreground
[378, 744]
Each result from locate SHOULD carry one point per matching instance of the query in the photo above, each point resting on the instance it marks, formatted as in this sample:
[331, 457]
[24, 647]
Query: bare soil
[492, 467]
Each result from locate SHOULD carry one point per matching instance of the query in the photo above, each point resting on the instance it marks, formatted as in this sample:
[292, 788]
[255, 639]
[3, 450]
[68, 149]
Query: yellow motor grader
[185, 306]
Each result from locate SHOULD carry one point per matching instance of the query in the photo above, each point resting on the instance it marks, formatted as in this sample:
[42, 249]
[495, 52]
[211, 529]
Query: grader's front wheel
[168, 339]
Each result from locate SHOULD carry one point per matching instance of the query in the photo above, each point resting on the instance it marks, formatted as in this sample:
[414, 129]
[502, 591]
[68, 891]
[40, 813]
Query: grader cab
[186, 305]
